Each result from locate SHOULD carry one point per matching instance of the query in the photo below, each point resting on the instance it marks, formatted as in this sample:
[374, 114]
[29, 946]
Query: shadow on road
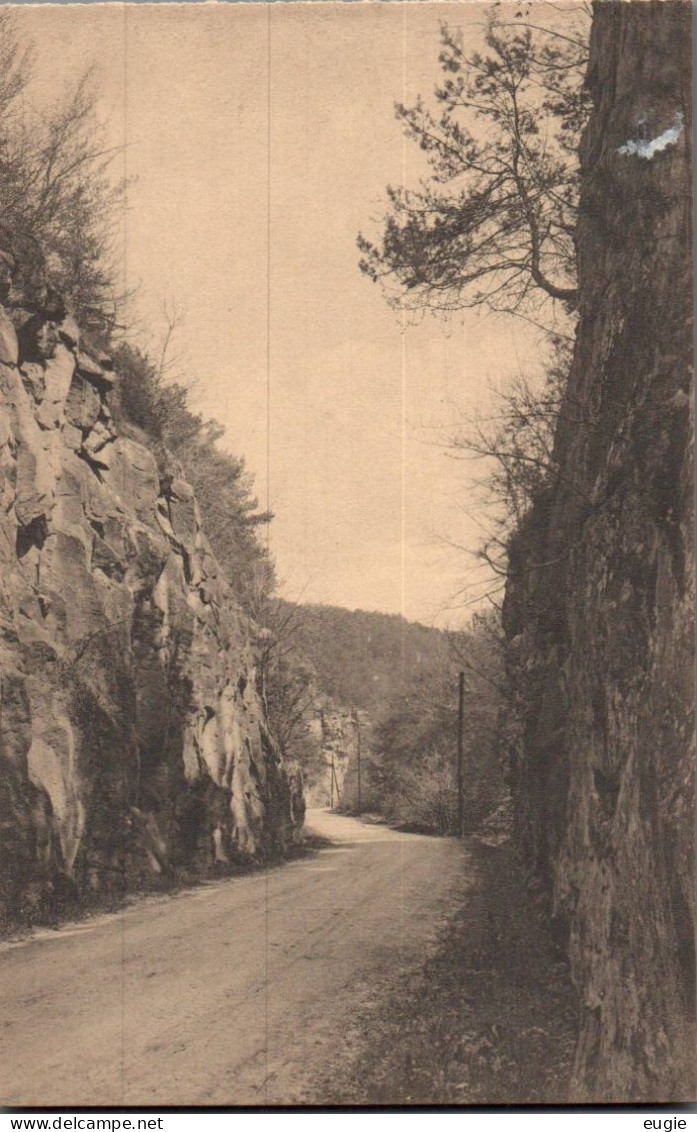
[489, 1017]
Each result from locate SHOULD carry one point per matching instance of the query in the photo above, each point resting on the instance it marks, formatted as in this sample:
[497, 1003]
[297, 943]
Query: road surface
[238, 992]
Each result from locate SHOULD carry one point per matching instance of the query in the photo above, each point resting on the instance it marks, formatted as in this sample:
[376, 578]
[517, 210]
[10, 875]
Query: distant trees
[365, 658]
[402, 678]
[412, 765]
[289, 682]
[493, 223]
[59, 199]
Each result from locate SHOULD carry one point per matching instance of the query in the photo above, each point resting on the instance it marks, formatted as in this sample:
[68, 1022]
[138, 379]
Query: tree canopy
[493, 222]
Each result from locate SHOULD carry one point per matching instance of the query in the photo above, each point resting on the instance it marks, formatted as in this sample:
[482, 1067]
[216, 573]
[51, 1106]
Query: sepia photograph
[347, 571]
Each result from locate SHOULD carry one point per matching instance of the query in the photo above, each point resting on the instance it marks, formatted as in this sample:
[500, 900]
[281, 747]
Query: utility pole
[358, 760]
[461, 757]
[323, 741]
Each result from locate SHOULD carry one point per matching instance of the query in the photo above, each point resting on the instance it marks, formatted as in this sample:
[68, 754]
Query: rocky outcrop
[599, 610]
[339, 733]
[132, 737]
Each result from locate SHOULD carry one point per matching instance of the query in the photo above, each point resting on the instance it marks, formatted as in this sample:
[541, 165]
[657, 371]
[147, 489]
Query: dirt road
[240, 991]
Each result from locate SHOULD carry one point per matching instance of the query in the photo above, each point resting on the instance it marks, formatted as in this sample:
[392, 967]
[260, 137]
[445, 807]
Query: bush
[59, 201]
[426, 799]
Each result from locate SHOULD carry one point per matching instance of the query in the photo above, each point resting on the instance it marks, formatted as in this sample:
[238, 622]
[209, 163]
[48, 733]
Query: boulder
[9, 346]
[58, 375]
[83, 403]
[69, 332]
[92, 371]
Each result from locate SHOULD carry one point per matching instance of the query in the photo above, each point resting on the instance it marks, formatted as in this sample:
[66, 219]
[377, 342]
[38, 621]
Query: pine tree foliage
[493, 222]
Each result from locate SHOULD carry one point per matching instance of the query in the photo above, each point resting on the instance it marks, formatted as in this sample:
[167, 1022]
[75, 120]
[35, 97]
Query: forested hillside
[365, 659]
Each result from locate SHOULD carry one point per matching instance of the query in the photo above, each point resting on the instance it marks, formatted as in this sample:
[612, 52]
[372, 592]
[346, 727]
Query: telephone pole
[358, 762]
[461, 757]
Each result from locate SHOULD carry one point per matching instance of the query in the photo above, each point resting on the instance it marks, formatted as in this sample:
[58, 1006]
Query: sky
[260, 140]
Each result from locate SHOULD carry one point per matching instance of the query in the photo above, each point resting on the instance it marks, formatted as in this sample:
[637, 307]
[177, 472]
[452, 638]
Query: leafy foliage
[515, 444]
[58, 199]
[291, 693]
[493, 224]
[223, 486]
[287, 675]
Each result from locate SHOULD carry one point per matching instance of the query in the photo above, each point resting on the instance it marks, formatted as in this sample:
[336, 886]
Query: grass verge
[490, 1017]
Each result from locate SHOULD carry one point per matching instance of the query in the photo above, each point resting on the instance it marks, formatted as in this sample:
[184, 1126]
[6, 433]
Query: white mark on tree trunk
[647, 149]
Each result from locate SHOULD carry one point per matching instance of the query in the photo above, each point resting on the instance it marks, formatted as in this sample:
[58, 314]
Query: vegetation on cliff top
[59, 197]
[224, 488]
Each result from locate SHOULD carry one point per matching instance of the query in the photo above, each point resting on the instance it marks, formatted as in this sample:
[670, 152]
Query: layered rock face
[132, 736]
[599, 611]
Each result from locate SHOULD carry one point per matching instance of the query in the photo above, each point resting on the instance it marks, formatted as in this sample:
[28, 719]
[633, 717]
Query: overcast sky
[261, 139]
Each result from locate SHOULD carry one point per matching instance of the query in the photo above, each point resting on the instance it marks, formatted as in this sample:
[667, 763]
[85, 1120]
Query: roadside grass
[490, 1017]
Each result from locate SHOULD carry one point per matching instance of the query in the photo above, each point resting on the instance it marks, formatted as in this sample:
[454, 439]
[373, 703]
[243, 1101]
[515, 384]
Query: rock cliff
[132, 736]
[599, 611]
[338, 733]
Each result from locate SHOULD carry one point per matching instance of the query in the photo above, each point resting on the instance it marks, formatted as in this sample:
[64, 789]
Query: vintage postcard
[346, 555]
